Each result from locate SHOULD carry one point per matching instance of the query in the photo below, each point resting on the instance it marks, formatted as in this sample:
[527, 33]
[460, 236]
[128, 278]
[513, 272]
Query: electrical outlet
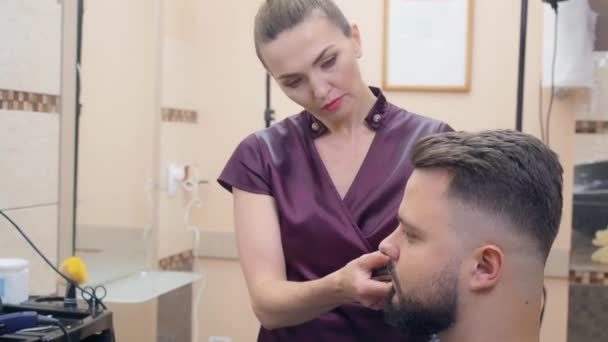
[220, 339]
[175, 175]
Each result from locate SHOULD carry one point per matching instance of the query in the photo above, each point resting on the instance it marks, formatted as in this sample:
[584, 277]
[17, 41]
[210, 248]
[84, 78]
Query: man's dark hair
[503, 172]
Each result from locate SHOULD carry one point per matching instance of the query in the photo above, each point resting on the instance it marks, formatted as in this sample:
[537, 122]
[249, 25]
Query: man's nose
[388, 248]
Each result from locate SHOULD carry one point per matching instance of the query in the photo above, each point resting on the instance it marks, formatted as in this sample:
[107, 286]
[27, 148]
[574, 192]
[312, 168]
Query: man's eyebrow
[404, 222]
[316, 61]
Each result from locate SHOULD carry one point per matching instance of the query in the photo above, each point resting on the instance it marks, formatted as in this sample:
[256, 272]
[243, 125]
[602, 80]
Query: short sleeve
[245, 170]
[443, 128]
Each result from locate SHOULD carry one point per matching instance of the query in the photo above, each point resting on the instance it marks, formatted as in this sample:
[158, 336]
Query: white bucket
[14, 274]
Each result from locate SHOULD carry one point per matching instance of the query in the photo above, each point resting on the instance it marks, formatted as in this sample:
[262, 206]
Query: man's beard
[421, 315]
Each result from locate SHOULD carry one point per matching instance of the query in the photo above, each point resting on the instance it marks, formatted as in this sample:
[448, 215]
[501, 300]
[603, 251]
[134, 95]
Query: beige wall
[146, 59]
[232, 101]
[224, 308]
[180, 142]
[30, 32]
[135, 322]
[117, 138]
[231, 95]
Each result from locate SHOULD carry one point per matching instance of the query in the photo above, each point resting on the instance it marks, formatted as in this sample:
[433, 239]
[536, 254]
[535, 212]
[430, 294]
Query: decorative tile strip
[589, 277]
[592, 126]
[30, 102]
[179, 115]
[179, 262]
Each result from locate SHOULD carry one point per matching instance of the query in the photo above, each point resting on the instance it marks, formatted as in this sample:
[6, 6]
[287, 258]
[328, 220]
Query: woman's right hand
[356, 282]
[279, 303]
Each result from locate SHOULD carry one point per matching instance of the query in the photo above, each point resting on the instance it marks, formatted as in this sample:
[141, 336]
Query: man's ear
[356, 36]
[488, 268]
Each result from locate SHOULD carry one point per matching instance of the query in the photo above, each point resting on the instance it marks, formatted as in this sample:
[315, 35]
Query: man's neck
[517, 322]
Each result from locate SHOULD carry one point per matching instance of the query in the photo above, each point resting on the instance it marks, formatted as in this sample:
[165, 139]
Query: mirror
[589, 251]
[117, 138]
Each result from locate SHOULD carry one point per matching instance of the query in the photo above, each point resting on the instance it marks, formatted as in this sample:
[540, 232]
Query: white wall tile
[29, 152]
[30, 53]
[40, 224]
[591, 147]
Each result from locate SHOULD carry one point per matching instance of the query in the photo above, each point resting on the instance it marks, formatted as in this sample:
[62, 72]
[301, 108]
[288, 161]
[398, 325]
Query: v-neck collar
[345, 203]
[374, 118]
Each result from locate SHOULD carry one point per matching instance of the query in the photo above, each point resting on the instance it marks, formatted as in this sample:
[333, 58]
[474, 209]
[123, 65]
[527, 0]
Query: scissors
[93, 295]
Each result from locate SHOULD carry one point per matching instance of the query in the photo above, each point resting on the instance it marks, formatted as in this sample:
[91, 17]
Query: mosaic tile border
[592, 126]
[179, 262]
[589, 278]
[179, 115]
[27, 101]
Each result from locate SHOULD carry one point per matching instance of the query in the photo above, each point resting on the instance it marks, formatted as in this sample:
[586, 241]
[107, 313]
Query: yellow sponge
[75, 269]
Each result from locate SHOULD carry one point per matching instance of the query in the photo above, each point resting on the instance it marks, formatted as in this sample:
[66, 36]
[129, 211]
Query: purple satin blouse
[320, 231]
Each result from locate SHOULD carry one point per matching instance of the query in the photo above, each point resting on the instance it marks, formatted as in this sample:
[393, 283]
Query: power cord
[191, 185]
[50, 263]
[55, 322]
[70, 281]
[545, 127]
[65, 331]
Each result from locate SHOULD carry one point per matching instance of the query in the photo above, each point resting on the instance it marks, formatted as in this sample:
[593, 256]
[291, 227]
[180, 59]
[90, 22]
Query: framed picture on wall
[427, 45]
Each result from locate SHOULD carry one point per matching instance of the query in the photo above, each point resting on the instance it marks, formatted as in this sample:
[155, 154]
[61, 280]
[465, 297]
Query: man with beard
[479, 215]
